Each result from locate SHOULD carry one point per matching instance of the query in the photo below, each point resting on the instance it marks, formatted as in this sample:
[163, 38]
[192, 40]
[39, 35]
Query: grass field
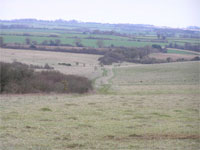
[68, 37]
[141, 107]
[152, 78]
[86, 42]
[178, 51]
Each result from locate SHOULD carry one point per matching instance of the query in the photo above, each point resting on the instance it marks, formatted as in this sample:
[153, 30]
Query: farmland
[111, 35]
[69, 38]
[132, 106]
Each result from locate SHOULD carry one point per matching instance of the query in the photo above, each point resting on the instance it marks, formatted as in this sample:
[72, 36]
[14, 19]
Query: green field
[85, 42]
[69, 37]
[175, 51]
[146, 107]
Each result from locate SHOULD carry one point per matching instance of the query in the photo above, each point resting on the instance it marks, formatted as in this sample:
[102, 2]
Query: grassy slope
[161, 112]
[159, 74]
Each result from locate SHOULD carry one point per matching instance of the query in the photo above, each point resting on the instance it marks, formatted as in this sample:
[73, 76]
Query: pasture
[88, 39]
[135, 107]
[179, 51]
[116, 41]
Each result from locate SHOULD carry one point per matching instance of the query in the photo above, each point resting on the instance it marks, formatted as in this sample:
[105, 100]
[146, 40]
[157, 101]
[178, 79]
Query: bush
[19, 78]
[149, 60]
[33, 46]
[46, 66]
[64, 64]
[197, 58]
[169, 59]
[157, 46]
[180, 59]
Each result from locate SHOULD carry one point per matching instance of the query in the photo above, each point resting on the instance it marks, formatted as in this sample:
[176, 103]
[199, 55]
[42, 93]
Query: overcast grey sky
[173, 13]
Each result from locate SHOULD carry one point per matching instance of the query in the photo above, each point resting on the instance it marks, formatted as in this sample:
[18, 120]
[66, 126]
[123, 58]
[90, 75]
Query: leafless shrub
[19, 78]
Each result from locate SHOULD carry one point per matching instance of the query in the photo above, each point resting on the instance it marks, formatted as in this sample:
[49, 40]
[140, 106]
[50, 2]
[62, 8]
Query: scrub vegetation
[20, 78]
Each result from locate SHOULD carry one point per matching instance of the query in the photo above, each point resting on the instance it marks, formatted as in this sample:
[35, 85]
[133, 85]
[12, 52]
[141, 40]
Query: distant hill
[84, 26]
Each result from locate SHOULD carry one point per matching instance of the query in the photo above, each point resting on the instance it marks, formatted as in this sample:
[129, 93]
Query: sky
[171, 13]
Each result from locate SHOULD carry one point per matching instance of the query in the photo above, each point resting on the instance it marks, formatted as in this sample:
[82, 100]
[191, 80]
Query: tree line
[137, 55]
[186, 46]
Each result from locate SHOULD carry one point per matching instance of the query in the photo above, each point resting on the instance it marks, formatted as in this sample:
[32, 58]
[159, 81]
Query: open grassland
[168, 121]
[146, 107]
[166, 78]
[182, 73]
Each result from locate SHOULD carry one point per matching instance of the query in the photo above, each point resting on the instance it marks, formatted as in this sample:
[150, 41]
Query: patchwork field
[135, 107]
[116, 41]
[138, 39]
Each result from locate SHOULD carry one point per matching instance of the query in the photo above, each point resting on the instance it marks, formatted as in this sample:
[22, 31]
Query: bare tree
[57, 42]
[45, 42]
[158, 35]
[28, 41]
[34, 42]
[77, 63]
[78, 42]
[163, 37]
[1, 41]
[100, 43]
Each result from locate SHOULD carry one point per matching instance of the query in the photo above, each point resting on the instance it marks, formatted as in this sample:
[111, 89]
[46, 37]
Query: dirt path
[107, 74]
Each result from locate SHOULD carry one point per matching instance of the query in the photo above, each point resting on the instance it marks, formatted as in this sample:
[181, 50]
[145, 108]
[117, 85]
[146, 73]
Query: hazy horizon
[171, 13]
